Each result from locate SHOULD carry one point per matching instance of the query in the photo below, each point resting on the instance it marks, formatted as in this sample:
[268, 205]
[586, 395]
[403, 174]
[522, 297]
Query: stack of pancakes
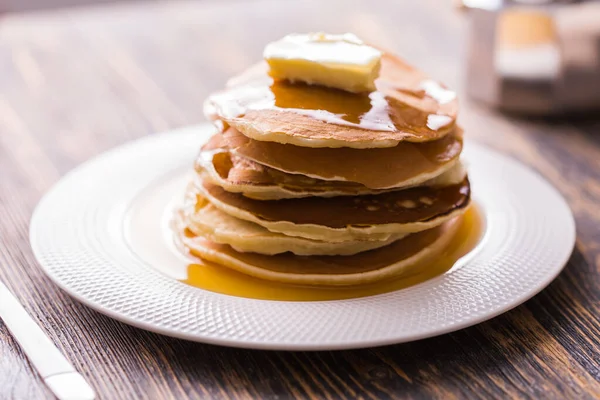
[312, 185]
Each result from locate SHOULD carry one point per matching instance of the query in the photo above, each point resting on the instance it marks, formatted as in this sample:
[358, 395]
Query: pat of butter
[338, 61]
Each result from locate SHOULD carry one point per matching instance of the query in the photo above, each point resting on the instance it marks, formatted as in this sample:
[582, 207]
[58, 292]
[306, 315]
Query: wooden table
[74, 83]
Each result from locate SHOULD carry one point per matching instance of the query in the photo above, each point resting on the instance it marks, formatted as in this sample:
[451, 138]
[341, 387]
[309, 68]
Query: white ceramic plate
[79, 234]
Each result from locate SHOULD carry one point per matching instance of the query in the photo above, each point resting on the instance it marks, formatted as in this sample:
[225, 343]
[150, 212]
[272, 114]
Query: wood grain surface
[74, 83]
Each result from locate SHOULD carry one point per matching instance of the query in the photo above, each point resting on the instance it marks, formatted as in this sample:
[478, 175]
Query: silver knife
[58, 374]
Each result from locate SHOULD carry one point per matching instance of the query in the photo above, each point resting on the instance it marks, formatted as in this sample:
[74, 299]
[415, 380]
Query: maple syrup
[403, 101]
[223, 280]
[150, 234]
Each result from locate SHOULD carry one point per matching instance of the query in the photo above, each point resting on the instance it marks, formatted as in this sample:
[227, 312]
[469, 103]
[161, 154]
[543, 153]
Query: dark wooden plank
[75, 83]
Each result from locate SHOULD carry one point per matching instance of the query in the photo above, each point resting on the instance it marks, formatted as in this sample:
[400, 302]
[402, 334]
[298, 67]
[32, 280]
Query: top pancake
[407, 106]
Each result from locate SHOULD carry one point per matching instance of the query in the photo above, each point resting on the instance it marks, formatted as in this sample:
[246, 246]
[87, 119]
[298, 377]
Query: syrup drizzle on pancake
[406, 105]
[329, 105]
[417, 204]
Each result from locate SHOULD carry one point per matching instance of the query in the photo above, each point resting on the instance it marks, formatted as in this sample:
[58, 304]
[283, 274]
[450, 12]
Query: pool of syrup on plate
[149, 232]
[223, 280]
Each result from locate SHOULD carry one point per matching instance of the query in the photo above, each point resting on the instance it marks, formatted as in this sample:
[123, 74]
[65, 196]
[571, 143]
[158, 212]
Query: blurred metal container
[534, 57]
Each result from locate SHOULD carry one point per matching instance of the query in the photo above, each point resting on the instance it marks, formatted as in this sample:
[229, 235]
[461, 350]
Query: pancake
[347, 218]
[407, 164]
[239, 175]
[407, 106]
[366, 267]
[204, 219]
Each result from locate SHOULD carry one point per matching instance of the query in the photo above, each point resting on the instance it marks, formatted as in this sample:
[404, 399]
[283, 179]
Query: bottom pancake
[366, 267]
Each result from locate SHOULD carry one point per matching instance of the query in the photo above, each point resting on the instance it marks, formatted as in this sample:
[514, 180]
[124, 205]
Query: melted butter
[223, 280]
[435, 121]
[438, 92]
